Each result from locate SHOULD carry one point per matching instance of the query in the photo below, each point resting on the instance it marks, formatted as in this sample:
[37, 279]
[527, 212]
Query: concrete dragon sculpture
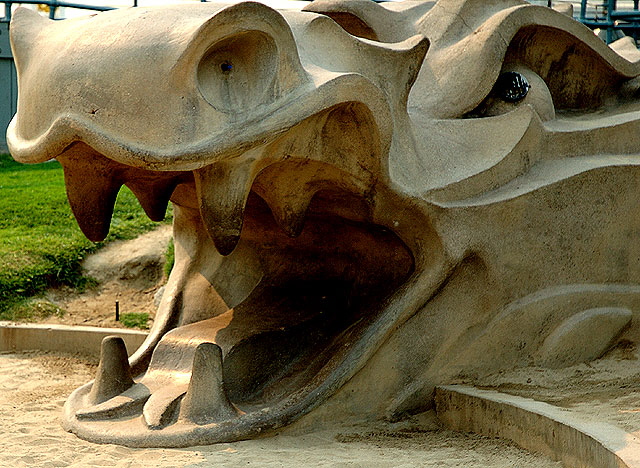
[369, 200]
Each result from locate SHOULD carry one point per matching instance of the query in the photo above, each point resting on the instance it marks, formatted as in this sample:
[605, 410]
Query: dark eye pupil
[226, 67]
[512, 86]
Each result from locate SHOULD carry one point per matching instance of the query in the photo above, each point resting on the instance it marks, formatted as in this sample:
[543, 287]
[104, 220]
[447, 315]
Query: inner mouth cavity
[319, 291]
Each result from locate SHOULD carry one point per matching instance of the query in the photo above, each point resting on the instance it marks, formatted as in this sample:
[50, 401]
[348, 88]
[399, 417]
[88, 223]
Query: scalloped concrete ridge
[538, 427]
[63, 338]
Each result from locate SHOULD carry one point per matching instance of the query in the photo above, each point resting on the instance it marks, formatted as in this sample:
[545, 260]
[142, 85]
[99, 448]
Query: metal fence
[613, 17]
[8, 84]
[53, 6]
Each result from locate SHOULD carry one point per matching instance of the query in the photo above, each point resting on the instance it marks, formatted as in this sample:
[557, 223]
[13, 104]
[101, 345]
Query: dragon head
[369, 199]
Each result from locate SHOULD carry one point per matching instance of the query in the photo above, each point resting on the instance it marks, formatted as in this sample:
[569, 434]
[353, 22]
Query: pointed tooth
[153, 196]
[114, 374]
[93, 209]
[223, 189]
[205, 400]
[290, 213]
[289, 203]
[92, 188]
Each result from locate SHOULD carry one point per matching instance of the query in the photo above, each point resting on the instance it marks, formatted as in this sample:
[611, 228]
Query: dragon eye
[512, 86]
[237, 73]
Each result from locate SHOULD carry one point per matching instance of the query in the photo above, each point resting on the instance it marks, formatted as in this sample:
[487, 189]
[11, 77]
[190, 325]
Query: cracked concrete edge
[539, 427]
[63, 338]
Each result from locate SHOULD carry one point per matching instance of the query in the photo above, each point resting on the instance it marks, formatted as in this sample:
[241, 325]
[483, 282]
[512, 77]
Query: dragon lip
[321, 270]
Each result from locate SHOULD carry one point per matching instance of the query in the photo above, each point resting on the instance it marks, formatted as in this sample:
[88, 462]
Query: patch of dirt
[128, 272]
[97, 307]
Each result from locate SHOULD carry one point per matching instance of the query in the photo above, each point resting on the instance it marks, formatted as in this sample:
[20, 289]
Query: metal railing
[53, 6]
[605, 14]
[609, 16]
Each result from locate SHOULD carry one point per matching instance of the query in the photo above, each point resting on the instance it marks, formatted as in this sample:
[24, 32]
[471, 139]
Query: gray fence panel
[8, 84]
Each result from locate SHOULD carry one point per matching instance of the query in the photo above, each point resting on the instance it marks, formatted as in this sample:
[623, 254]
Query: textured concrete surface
[538, 427]
[583, 337]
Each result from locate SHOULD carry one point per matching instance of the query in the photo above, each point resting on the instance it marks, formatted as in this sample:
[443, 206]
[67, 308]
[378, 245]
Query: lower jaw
[275, 370]
[270, 408]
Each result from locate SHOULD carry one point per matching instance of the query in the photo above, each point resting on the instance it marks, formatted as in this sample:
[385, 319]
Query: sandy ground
[33, 387]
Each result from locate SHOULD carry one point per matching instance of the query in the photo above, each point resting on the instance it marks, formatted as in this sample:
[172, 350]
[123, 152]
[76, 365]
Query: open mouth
[246, 341]
[297, 254]
[317, 290]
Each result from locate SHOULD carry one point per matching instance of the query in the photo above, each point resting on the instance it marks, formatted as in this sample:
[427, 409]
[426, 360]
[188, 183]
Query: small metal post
[611, 6]
[117, 311]
[549, 3]
[583, 10]
[53, 5]
[7, 11]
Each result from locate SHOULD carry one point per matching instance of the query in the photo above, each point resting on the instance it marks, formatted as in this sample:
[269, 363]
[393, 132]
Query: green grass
[135, 320]
[32, 310]
[40, 243]
[170, 258]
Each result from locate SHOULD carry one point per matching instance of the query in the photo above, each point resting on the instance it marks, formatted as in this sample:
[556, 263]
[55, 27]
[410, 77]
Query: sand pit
[34, 386]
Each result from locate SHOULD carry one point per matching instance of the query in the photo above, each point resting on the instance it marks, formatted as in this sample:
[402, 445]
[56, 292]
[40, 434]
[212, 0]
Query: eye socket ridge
[512, 86]
[238, 73]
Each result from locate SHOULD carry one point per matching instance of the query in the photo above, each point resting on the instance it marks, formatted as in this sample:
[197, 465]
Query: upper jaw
[330, 150]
